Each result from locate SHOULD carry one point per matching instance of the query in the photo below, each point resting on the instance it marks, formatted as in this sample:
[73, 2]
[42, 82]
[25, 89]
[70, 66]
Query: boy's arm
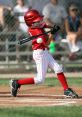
[51, 36]
[54, 30]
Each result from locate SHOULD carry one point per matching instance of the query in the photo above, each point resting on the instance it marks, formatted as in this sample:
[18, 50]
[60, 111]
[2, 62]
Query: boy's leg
[68, 92]
[61, 77]
[42, 65]
[26, 81]
[15, 84]
[59, 71]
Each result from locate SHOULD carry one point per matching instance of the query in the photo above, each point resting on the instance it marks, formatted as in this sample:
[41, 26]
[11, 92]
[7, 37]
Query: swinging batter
[42, 57]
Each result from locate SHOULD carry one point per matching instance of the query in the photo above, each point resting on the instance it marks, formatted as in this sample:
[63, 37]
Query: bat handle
[22, 41]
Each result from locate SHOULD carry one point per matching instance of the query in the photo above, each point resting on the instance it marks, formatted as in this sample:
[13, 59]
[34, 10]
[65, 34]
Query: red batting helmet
[32, 16]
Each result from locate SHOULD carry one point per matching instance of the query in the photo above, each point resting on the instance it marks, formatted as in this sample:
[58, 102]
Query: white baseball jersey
[55, 13]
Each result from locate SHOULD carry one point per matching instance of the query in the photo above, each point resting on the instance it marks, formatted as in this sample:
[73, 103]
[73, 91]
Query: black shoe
[14, 87]
[70, 93]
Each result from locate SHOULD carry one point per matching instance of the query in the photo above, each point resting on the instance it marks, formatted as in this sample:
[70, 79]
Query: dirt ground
[38, 96]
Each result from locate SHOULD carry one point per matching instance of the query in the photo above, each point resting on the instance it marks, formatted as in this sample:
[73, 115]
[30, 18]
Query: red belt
[41, 49]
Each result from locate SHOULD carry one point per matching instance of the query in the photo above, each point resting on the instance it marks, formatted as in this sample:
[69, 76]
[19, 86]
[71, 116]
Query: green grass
[4, 82]
[62, 111]
[51, 82]
[71, 81]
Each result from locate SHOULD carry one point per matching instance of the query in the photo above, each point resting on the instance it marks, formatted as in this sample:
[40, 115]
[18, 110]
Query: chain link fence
[13, 55]
[10, 51]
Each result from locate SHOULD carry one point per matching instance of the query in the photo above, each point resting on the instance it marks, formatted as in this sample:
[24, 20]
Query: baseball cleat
[14, 87]
[69, 93]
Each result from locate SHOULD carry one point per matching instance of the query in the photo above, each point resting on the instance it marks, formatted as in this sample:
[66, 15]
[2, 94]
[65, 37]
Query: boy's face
[37, 24]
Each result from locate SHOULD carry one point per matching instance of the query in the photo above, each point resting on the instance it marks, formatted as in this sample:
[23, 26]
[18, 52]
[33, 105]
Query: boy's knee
[38, 80]
[59, 69]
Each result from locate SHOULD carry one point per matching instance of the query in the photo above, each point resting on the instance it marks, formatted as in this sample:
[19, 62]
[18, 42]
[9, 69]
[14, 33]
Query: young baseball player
[42, 57]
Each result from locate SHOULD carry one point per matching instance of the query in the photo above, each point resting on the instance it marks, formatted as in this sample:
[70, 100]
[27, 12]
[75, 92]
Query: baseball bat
[22, 41]
[54, 29]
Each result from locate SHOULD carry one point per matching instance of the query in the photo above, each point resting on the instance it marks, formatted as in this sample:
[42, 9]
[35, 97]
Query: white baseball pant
[43, 59]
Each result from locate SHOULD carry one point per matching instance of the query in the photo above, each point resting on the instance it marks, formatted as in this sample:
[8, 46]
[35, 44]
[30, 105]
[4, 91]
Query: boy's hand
[55, 29]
